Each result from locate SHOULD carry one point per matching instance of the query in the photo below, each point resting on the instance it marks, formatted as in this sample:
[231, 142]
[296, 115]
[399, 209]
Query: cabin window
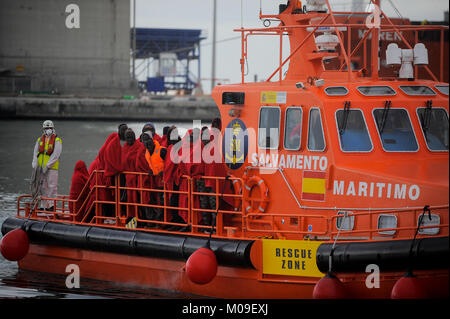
[442, 88]
[293, 128]
[346, 222]
[352, 130]
[376, 90]
[316, 140]
[395, 130]
[417, 90]
[434, 123]
[336, 90]
[386, 221]
[425, 221]
[269, 127]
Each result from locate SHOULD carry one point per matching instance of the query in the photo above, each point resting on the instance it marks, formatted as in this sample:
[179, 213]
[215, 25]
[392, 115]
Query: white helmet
[47, 124]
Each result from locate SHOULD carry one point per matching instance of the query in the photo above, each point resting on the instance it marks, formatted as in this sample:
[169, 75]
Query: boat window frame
[279, 126]
[387, 232]
[401, 87]
[323, 131]
[367, 129]
[325, 90]
[345, 214]
[440, 85]
[358, 88]
[285, 126]
[410, 122]
[421, 128]
[428, 231]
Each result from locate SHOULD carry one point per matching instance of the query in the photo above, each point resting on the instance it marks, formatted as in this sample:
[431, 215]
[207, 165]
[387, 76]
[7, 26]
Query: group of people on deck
[153, 162]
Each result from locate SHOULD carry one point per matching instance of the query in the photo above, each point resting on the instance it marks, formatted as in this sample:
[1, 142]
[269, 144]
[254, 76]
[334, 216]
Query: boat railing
[231, 219]
[127, 208]
[406, 219]
[407, 34]
[30, 207]
[114, 210]
[349, 225]
[228, 218]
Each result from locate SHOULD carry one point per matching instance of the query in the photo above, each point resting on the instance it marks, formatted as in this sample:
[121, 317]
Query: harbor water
[81, 140]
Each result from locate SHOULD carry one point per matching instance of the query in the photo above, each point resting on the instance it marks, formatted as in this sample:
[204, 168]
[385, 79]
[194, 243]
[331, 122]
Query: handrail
[346, 53]
[244, 225]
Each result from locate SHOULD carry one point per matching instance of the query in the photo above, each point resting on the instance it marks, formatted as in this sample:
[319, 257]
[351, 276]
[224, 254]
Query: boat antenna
[242, 17]
[395, 9]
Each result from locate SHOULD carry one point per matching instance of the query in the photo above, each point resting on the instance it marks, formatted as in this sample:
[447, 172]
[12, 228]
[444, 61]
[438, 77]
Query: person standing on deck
[47, 151]
[129, 153]
[149, 126]
[155, 155]
[79, 179]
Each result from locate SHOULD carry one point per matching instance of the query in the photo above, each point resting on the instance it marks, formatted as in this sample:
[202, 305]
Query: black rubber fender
[232, 252]
[392, 255]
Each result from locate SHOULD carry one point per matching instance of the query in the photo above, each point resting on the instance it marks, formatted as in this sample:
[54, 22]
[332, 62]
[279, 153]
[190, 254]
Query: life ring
[256, 181]
[237, 187]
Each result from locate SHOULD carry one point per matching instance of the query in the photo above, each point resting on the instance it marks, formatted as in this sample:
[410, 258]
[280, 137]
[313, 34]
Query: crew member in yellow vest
[47, 151]
[155, 155]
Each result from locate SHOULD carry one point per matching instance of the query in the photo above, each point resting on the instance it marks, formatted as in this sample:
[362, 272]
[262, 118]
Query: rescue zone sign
[290, 257]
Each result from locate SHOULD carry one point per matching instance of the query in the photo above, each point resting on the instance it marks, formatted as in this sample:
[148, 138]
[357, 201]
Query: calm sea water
[81, 141]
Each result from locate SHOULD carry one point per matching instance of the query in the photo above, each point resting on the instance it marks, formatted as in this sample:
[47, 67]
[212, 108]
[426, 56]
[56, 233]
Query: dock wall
[179, 109]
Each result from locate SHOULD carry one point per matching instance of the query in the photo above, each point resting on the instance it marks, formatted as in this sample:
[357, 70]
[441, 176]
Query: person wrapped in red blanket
[109, 164]
[129, 153]
[79, 178]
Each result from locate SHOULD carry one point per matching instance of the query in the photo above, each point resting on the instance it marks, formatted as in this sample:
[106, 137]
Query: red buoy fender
[201, 266]
[408, 287]
[329, 287]
[14, 245]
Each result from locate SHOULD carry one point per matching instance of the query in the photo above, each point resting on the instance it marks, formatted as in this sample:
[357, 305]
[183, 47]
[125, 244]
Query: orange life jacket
[155, 161]
[51, 144]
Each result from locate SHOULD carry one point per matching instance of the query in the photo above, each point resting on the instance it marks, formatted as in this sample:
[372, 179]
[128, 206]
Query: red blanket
[109, 159]
[79, 178]
[129, 155]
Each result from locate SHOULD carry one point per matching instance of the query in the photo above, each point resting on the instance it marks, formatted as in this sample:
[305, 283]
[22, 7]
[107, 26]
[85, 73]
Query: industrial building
[50, 46]
[170, 53]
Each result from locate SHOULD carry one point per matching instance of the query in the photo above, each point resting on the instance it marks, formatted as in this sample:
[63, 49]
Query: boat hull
[230, 282]
[153, 260]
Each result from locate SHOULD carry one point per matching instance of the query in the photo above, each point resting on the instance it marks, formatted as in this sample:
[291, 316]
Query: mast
[134, 40]
[213, 66]
[375, 46]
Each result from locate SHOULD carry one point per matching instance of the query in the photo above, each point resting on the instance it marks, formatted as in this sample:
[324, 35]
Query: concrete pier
[156, 109]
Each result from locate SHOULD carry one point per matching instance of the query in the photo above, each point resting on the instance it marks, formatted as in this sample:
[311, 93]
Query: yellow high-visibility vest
[43, 157]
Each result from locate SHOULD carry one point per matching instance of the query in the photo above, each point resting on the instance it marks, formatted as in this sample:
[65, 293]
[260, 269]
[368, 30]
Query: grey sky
[263, 51]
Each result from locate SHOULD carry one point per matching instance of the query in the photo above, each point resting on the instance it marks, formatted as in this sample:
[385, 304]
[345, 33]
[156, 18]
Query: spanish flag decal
[313, 185]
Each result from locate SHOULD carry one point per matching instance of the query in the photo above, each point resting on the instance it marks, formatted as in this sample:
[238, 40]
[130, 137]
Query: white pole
[213, 66]
[134, 39]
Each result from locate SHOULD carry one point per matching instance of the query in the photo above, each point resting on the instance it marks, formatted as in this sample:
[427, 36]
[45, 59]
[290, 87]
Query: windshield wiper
[426, 116]
[384, 116]
[345, 118]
